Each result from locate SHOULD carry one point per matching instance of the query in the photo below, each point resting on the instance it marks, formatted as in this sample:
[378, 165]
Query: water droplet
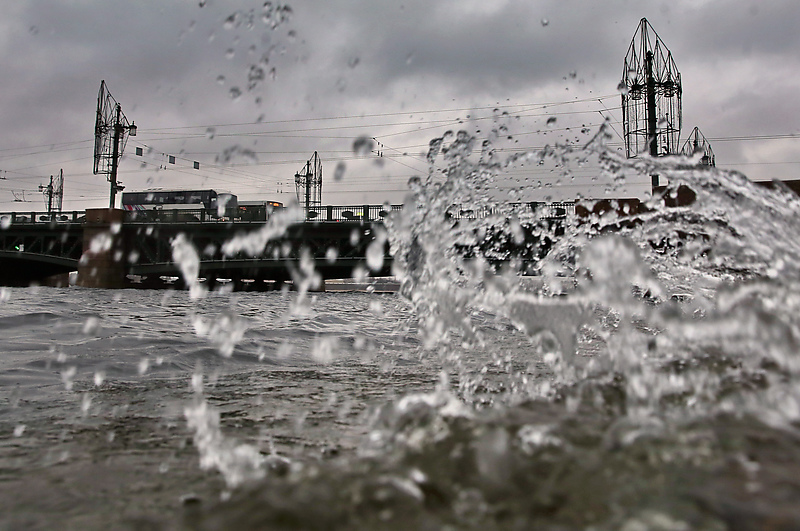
[339, 171]
[19, 429]
[5, 222]
[545, 22]
[33, 30]
[622, 88]
[375, 251]
[202, 3]
[210, 133]
[353, 62]
[255, 76]
[231, 21]
[91, 326]
[410, 58]
[362, 146]
[331, 255]
[573, 74]
[273, 73]
[324, 349]
[230, 53]
[67, 375]
[551, 121]
[235, 93]
[86, 403]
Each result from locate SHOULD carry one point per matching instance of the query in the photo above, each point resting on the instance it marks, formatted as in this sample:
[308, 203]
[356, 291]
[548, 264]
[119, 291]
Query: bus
[221, 204]
[257, 210]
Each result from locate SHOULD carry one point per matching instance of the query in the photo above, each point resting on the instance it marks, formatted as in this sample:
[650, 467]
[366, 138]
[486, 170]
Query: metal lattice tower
[698, 143]
[111, 131]
[308, 183]
[54, 193]
[651, 97]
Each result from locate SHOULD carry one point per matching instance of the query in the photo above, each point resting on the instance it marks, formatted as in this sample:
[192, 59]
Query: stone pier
[102, 264]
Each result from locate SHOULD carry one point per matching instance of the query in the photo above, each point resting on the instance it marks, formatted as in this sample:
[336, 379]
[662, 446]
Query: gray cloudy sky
[326, 73]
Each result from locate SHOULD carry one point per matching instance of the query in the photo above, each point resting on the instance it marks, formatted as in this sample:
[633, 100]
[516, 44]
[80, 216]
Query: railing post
[330, 212]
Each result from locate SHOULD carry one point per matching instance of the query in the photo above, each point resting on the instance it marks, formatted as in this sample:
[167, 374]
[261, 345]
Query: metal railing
[350, 213]
[324, 213]
[534, 209]
[41, 218]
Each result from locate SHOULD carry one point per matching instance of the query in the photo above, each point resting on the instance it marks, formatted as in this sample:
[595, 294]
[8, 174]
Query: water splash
[652, 287]
[254, 243]
[238, 463]
[625, 374]
[185, 256]
[224, 331]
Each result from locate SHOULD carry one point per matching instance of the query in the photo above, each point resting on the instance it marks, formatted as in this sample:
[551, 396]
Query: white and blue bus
[221, 204]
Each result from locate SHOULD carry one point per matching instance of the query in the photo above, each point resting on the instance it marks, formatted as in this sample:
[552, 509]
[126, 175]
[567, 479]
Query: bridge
[112, 248]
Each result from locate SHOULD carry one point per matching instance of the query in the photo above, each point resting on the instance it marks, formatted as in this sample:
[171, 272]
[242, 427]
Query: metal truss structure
[651, 96]
[698, 143]
[308, 183]
[111, 131]
[54, 193]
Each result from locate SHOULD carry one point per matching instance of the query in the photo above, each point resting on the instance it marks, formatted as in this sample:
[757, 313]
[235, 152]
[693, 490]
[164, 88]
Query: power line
[396, 113]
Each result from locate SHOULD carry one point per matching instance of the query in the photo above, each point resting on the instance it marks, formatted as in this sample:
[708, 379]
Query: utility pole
[118, 130]
[48, 192]
[652, 124]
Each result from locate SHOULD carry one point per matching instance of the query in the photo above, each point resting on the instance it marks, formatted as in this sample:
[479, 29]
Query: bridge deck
[34, 245]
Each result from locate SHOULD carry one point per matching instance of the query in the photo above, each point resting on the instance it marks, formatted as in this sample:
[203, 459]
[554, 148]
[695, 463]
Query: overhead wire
[238, 171]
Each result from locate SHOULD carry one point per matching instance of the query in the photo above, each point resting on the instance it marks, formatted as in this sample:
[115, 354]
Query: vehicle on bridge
[257, 210]
[190, 202]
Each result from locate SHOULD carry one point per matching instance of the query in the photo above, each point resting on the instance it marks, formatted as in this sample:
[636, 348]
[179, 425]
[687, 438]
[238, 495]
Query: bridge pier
[102, 263]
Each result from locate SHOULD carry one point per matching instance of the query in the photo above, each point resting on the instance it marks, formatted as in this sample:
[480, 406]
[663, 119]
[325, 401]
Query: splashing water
[642, 374]
[629, 270]
[237, 463]
[185, 255]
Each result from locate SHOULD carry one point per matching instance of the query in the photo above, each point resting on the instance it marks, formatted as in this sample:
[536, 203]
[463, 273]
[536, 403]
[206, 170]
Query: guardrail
[535, 209]
[350, 213]
[41, 218]
[323, 213]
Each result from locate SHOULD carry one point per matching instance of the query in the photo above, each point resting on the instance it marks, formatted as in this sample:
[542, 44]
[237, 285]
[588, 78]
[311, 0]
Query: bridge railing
[320, 213]
[350, 212]
[535, 209]
[41, 218]
[182, 215]
[333, 213]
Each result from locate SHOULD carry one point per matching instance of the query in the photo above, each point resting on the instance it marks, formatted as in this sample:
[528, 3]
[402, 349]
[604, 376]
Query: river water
[644, 379]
